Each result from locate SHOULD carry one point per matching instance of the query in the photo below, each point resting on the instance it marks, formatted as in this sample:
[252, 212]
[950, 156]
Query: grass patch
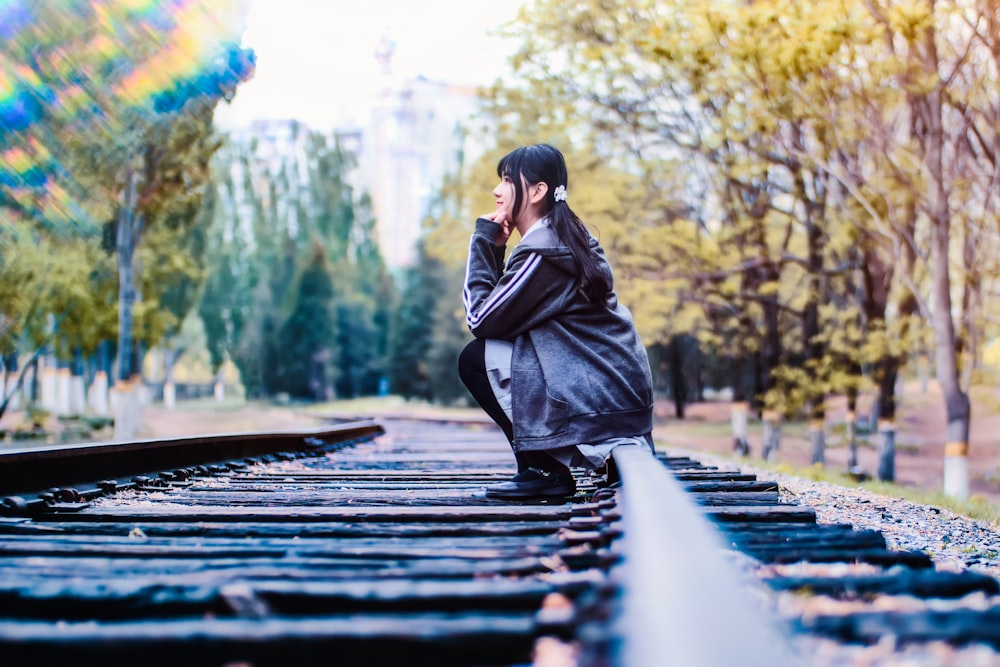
[695, 428]
[210, 404]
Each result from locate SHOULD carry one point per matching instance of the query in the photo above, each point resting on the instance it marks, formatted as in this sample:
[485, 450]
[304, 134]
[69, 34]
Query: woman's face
[504, 194]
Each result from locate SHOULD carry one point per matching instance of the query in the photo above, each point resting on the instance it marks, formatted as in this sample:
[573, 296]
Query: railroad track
[372, 543]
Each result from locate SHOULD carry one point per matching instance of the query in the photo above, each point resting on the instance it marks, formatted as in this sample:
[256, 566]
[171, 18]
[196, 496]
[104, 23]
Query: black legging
[472, 370]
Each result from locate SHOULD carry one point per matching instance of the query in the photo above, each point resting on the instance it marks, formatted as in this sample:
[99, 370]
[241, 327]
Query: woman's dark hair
[542, 163]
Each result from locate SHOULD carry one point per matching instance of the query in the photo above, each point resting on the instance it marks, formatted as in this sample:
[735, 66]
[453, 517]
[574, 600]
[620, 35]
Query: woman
[557, 362]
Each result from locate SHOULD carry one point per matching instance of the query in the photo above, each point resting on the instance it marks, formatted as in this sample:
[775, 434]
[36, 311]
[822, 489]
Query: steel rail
[681, 602]
[32, 470]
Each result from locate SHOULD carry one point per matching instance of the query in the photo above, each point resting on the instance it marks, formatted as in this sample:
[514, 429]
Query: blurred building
[416, 136]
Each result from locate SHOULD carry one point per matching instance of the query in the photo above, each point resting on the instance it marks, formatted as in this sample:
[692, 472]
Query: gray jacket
[579, 373]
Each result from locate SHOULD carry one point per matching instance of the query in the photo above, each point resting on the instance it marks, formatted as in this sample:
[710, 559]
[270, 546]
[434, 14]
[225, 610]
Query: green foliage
[272, 217]
[359, 360]
[423, 290]
[449, 336]
[177, 216]
[306, 339]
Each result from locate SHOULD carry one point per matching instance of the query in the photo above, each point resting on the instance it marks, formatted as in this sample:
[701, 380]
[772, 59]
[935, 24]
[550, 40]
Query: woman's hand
[500, 217]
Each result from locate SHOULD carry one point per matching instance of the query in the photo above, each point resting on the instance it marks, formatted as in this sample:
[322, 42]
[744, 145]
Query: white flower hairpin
[559, 193]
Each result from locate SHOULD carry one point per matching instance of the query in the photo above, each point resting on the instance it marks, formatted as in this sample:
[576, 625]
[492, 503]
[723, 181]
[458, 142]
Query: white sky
[315, 57]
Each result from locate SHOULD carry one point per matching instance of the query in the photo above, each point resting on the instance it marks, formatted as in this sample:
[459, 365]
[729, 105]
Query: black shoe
[533, 483]
[607, 475]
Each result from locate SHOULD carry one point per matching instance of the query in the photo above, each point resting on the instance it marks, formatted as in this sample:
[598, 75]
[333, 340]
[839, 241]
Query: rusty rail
[38, 468]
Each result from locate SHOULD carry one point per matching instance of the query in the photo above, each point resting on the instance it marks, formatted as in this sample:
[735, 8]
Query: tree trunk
[817, 441]
[77, 388]
[814, 206]
[929, 108]
[771, 359]
[49, 399]
[129, 231]
[220, 385]
[9, 398]
[772, 435]
[850, 423]
[35, 380]
[886, 375]
[62, 401]
[740, 408]
[887, 452]
[99, 394]
[678, 386]
[169, 388]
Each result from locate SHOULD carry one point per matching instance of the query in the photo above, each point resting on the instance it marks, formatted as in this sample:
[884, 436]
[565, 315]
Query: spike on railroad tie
[67, 495]
[13, 506]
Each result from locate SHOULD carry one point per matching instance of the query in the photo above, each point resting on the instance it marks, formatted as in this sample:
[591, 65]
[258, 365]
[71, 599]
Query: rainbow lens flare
[86, 75]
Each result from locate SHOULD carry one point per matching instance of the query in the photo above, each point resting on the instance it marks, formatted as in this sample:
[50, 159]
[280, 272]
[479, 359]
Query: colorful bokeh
[72, 71]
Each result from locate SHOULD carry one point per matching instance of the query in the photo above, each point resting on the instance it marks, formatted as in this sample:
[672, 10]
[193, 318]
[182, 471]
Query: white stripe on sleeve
[498, 297]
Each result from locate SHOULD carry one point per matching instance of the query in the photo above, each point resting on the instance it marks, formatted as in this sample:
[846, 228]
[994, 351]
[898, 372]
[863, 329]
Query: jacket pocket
[537, 414]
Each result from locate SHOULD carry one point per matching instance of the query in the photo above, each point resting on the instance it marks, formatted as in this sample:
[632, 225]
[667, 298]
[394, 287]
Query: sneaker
[533, 483]
[607, 476]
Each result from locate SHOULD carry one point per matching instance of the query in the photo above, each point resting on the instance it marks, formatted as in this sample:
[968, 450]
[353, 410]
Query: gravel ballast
[954, 543]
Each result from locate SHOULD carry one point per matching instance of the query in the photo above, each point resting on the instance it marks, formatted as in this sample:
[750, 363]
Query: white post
[62, 392]
[125, 399]
[49, 393]
[77, 395]
[169, 395]
[143, 394]
[956, 470]
[99, 394]
[738, 417]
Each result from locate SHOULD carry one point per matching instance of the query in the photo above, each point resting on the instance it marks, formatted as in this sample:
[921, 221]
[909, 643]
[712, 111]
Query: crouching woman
[556, 361]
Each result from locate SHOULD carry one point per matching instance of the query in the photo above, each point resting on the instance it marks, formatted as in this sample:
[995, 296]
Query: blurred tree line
[297, 294]
[807, 188]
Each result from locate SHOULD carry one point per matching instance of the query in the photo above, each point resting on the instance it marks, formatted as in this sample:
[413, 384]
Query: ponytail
[594, 283]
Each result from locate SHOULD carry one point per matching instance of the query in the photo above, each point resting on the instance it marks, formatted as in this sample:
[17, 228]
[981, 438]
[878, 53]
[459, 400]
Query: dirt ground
[158, 422]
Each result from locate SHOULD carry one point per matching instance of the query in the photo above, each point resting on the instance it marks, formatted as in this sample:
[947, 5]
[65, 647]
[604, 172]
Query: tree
[412, 328]
[272, 213]
[307, 338]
